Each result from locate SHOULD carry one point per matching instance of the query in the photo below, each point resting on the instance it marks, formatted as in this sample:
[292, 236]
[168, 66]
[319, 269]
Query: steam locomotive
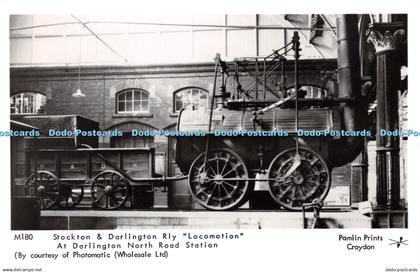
[222, 168]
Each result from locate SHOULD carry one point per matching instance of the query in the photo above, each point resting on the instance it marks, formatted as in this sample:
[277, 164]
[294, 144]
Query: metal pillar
[385, 37]
[359, 172]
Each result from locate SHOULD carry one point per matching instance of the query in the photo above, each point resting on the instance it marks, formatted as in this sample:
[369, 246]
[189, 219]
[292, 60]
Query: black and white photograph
[211, 138]
[132, 118]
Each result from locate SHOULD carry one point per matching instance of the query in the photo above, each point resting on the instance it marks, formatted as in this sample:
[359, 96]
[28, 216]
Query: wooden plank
[280, 119]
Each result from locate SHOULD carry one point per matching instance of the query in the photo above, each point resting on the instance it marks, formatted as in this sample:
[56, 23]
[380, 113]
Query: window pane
[187, 105]
[195, 104]
[136, 95]
[129, 95]
[129, 106]
[144, 96]
[137, 106]
[178, 105]
[121, 106]
[145, 105]
[203, 95]
[121, 97]
[202, 103]
[194, 93]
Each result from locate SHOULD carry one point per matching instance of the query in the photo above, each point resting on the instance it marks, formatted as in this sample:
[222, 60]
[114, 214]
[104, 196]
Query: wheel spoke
[224, 188]
[226, 163]
[116, 184]
[302, 194]
[230, 171]
[278, 184]
[217, 164]
[211, 168]
[52, 193]
[285, 191]
[313, 182]
[312, 175]
[102, 196]
[122, 197]
[294, 191]
[227, 183]
[120, 190]
[112, 201]
[313, 162]
[211, 194]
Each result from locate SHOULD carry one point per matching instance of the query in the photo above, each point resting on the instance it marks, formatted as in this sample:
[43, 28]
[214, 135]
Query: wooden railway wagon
[60, 169]
[61, 176]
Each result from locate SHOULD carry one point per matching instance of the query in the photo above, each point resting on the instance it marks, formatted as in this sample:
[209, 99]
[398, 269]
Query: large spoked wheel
[298, 179]
[71, 195]
[45, 186]
[109, 190]
[222, 185]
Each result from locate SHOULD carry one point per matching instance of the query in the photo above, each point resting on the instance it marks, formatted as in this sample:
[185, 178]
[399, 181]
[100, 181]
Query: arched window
[132, 100]
[190, 98]
[27, 103]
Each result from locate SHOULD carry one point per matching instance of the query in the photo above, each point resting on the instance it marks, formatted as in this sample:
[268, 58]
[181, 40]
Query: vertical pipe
[211, 114]
[237, 80]
[297, 49]
[349, 87]
[265, 78]
[283, 80]
[359, 173]
[256, 78]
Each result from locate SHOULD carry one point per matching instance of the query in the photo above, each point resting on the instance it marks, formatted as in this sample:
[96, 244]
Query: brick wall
[100, 85]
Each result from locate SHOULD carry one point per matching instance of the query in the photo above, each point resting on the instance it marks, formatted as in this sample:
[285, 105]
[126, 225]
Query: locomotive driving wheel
[71, 195]
[45, 186]
[222, 185]
[298, 178]
[110, 190]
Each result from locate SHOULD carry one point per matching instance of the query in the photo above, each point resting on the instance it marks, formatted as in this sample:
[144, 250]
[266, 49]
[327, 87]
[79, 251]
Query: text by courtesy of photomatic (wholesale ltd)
[120, 245]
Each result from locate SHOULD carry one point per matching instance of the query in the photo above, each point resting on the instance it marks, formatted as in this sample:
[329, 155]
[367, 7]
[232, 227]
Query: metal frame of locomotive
[223, 169]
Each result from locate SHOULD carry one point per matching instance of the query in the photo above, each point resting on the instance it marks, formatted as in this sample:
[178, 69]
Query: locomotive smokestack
[349, 87]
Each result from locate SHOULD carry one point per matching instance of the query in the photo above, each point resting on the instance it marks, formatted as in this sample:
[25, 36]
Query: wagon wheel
[71, 195]
[298, 179]
[221, 186]
[109, 190]
[45, 186]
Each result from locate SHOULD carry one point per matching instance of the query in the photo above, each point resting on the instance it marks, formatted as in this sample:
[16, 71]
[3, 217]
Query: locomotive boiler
[255, 134]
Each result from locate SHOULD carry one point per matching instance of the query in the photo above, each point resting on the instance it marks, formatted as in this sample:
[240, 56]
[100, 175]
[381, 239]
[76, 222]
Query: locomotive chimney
[349, 87]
